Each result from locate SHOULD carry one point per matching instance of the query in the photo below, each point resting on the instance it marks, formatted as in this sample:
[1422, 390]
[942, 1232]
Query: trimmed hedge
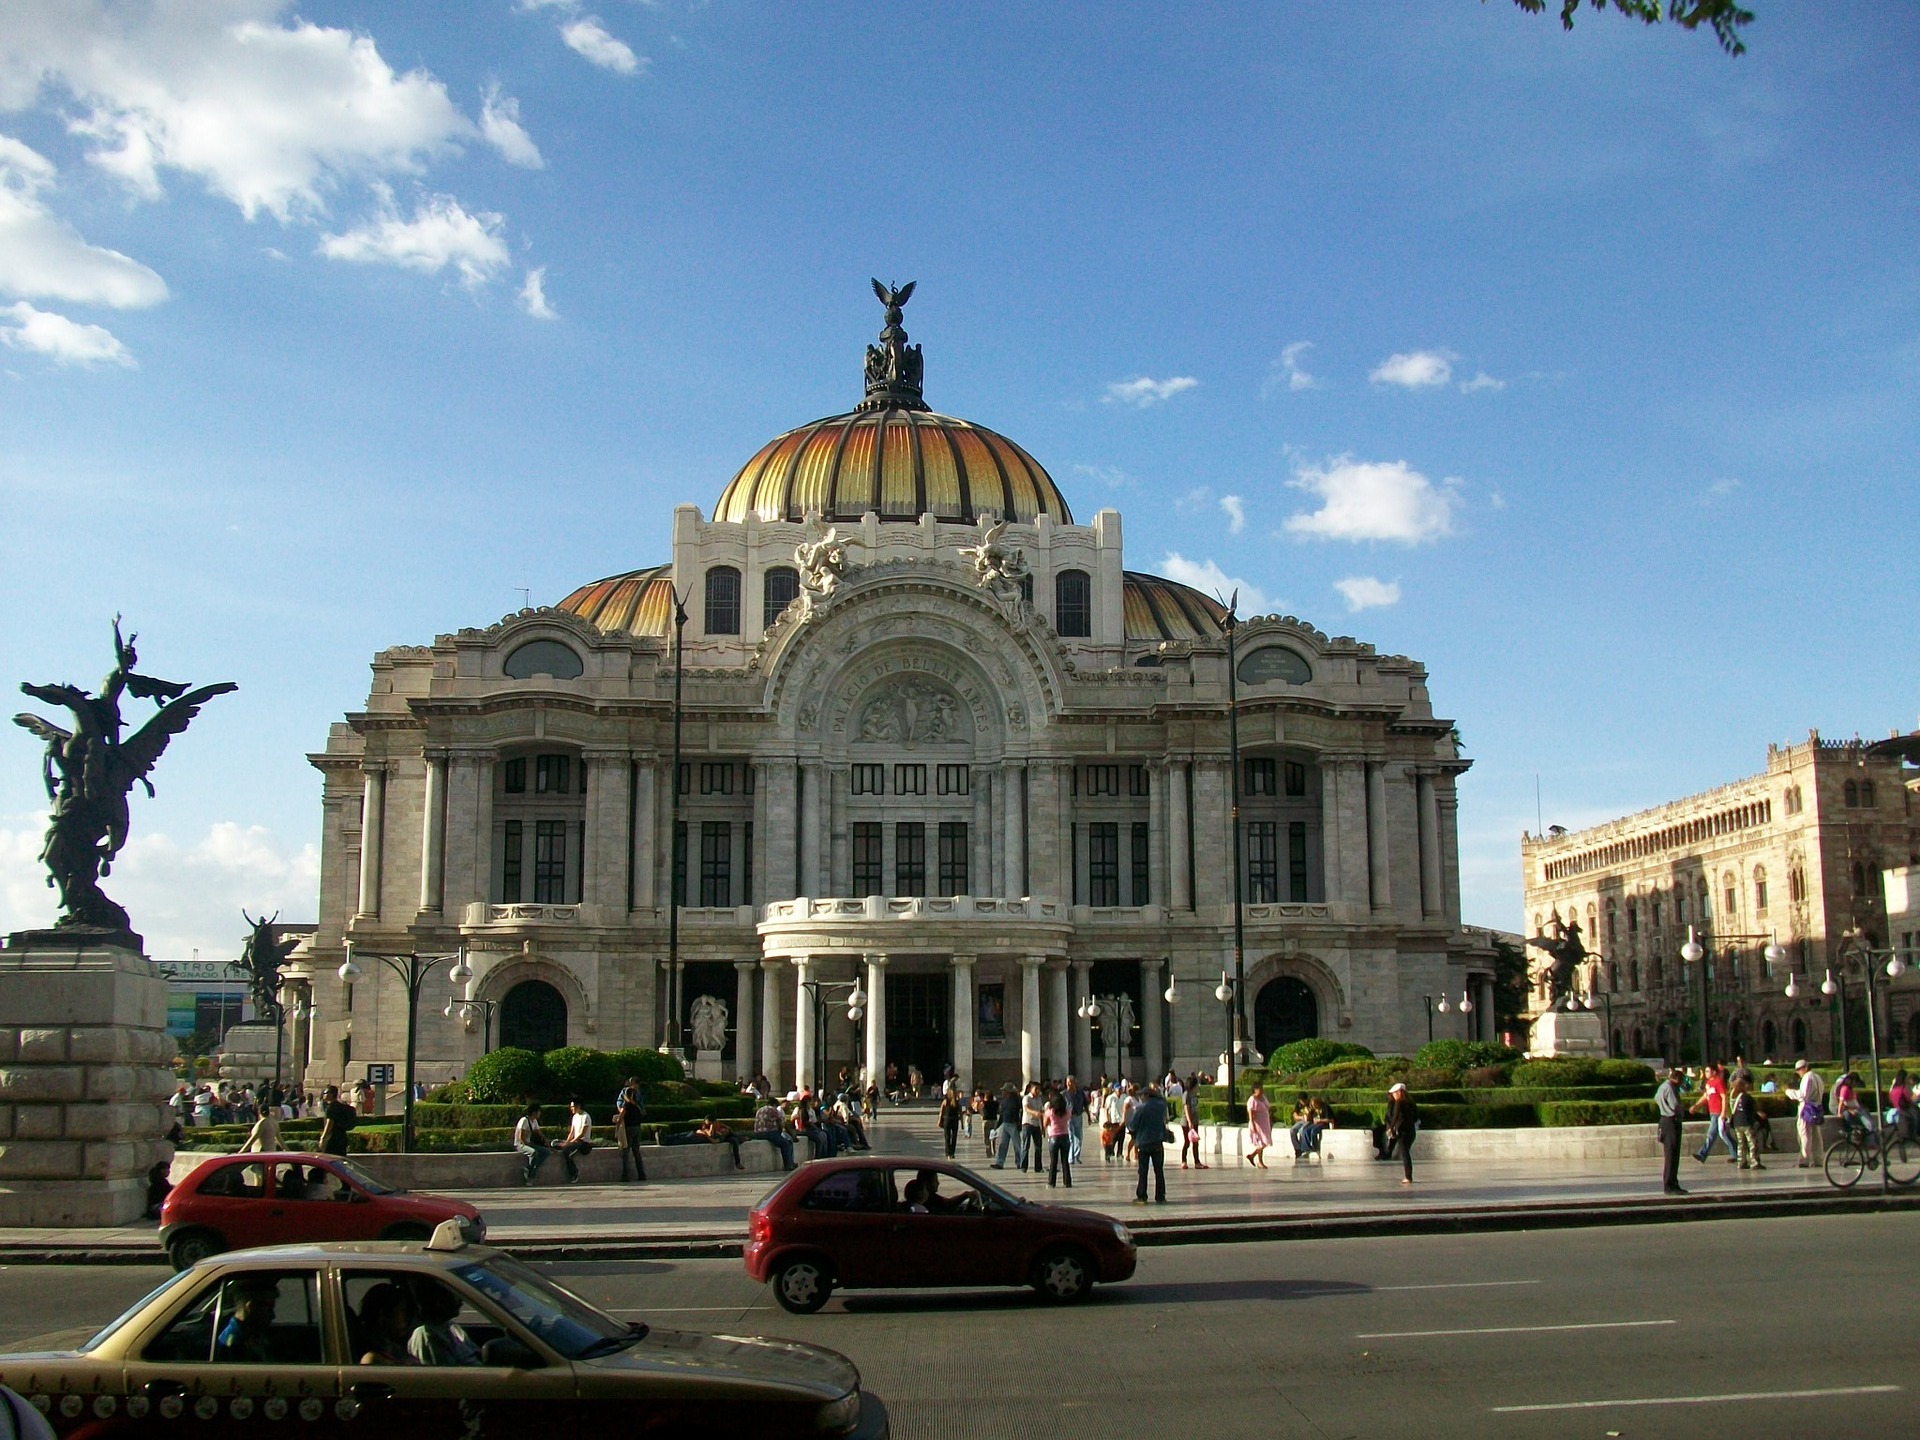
[1598, 1112]
[510, 1074]
[1464, 1054]
[1304, 1055]
[1479, 1117]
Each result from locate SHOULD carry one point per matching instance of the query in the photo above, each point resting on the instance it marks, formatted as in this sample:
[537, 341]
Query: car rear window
[858, 1190]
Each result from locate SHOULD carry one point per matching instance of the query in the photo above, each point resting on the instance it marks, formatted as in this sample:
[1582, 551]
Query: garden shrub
[1625, 1072]
[1351, 1075]
[1422, 1077]
[645, 1064]
[1567, 1070]
[1464, 1054]
[507, 1075]
[1304, 1055]
[1478, 1117]
[1598, 1112]
[1487, 1077]
[589, 1074]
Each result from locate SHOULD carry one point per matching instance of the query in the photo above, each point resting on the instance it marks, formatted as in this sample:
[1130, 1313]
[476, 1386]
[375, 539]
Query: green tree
[1509, 985]
[1723, 17]
[194, 1048]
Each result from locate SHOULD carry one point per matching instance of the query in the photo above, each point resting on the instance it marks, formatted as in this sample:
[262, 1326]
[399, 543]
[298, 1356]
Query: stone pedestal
[83, 1074]
[1567, 1032]
[247, 1053]
[707, 1066]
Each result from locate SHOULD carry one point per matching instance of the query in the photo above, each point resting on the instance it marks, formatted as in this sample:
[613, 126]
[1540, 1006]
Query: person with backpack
[1811, 1092]
[629, 1114]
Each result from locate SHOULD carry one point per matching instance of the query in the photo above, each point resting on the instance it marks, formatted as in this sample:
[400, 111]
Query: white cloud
[1363, 592]
[1479, 382]
[44, 257]
[1209, 579]
[1194, 500]
[500, 124]
[1236, 513]
[441, 233]
[1721, 489]
[1416, 370]
[1287, 370]
[1363, 500]
[1105, 474]
[533, 294]
[588, 38]
[64, 341]
[181, 897]
[1145, 391]
[1496, 501]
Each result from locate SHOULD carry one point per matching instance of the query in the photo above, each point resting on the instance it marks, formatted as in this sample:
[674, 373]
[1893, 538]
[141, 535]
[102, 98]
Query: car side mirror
[507, 1353]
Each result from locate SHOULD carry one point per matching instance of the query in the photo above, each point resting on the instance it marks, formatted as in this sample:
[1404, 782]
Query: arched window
[1639, 1041]
[1859, 881]
[723, 600]
[542, 657]
[1073, 604]
[1654, 972]
[1633, 918]
[1866, 794]
[781, 589]
[1759, 889]
[1769, 1038]
[1613, 923]
[1732, 895]
[1799, 1037]
[1613, 977]
[1852, 794]
[1633, 982]
[1679, 907]
[1614, 1048]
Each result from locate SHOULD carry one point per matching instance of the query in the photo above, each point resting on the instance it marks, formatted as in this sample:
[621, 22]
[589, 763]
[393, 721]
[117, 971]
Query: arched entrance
[1284, 1011]
[533, 1016]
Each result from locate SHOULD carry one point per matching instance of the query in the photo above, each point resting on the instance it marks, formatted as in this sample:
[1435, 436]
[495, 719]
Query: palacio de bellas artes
[936, 741]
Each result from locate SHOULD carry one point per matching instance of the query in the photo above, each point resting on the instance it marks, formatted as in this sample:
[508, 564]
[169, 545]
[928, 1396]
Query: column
[802, 1023]
[1179, 840]
[433, 850]
[1059, 1018]
[1083, 1029]
[980, 864]
[837, 844]
[1432, 902]
[1212, 835]
[1382, 888]
[877, 1018]
[761, 891]
[1157, 834]
[1030, 1017]
[1014, 811]
[744, 1033]
[1350, 784]
[1152, 1044]
[1330, 837]
[608, 781]
[645, 828]
[783, 874]
[373, 810]
[963, 1020]
[770, 1019]
[813, 780]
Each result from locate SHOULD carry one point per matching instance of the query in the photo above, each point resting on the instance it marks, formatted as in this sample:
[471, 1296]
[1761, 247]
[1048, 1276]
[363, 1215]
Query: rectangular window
[909, 779]
[1296, 778]
[716, 778]
[1142, 887]
[1137, 782]
[869, 869]
[1103, 860]
[549, 862]
[1633, 919]
[1263, 862]
[1103, 779]
[956, 780]
[716, 862]
[746, 779]
[954, 853]
[513, 775]
[1760, 897]
[680, 863]
[1258, 777]
[685, 778]
[552, 774]
[1297, 861]
[511, 858]
[910, 858]
[746, 861]
[869, 779]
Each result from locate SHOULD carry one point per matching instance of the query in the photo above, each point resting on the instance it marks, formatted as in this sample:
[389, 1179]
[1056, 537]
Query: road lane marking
[685, 1309]
[1702, 1399]
[1458, 1285]
[1510, 1329]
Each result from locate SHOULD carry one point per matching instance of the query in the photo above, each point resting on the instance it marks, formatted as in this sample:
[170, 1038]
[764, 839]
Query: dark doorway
[707, 977]
[918, 1007]
[1284, 1011]
[533, 1017]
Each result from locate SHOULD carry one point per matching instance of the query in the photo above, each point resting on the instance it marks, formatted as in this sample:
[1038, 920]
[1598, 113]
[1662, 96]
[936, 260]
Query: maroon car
[234, 1202]
[875, 1223]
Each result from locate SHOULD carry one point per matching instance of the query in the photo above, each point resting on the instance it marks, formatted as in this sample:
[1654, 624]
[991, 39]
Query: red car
[235, 1202]
[872, 1223]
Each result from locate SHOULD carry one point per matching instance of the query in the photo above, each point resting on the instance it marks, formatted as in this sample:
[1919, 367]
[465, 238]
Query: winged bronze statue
[893, 297]
[90, 770]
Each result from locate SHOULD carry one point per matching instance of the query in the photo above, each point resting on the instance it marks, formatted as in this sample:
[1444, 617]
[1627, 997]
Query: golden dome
[639, 602]
[1156, 609]
[897, 461]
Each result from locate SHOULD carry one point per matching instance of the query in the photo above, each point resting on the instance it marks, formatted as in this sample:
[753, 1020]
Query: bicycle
[1863, 1146]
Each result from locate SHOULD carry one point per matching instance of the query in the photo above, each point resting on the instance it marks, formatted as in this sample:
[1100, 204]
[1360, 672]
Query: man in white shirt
[579, 1139]
[531, 1143]
[1810, 1092]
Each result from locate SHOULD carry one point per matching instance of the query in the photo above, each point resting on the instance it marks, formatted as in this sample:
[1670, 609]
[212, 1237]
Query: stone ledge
[59, 1203]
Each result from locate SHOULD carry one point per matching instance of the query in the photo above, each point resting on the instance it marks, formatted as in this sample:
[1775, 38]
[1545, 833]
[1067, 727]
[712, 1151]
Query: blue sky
[1586, 365]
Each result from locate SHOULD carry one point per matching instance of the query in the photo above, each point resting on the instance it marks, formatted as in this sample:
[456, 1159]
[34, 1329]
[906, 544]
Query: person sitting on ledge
[708, 1132]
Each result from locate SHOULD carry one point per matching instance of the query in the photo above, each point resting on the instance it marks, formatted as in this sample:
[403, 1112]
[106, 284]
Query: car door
[847, 1215]
[244, 1350]
[961, 1235]
[231, 1200]
[311, 1202]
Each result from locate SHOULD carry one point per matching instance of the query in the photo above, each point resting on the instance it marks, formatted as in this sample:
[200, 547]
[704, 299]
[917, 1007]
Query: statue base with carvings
[1567, 1032]
[84, 1074]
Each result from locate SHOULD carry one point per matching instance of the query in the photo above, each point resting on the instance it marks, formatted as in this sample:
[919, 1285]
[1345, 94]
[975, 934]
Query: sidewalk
[1340, 1196]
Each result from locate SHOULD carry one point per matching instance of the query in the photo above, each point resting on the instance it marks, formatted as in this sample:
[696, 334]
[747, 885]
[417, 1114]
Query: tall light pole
[677, 866]
[819, 993]
[1694, 954]
[465, 1009]
[412, 970]
[1239, 996]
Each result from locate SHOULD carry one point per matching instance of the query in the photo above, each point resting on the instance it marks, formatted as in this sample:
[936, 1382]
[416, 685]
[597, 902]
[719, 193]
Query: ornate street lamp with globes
[412, 969]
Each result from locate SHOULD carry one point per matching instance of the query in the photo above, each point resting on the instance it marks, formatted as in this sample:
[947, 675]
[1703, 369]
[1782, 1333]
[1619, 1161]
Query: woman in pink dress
[1259, 1126]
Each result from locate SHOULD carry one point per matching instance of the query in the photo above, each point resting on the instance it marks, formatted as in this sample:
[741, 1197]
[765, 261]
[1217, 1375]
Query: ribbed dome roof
[639, 602]
[1156, 608]
[897, 461]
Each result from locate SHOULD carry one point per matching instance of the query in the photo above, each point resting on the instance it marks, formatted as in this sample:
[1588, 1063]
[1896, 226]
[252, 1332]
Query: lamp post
[1225, 992]
[819, 992]
[465, 1010]
[412, 970]
[677, 864]
[1466, 1015]
[305, 1012]
[1239, 1039]
[1854, 946]
[1442, 1006]
[1693, 953]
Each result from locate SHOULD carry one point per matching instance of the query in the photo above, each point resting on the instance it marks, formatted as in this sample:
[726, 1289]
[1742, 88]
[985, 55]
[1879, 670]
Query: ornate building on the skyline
[938, 740]
[1794, 855]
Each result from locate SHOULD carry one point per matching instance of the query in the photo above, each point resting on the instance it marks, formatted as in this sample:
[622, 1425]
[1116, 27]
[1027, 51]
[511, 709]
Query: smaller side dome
[640, 602]
[1159, 609]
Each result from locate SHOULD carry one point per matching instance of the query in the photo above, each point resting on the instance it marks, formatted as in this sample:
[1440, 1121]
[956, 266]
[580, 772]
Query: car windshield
[560, 1318]
[360, 1177]
[987, 1187]
[171, 1282]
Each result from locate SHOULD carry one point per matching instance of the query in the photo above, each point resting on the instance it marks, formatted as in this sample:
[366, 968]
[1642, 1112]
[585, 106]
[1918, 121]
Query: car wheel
[1063, 1276]
[188, 1250]
[802, 1286]
[408, 1231]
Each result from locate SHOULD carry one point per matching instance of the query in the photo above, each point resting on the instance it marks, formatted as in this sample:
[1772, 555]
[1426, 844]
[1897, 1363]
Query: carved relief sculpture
[998, 568]
[708, 1018]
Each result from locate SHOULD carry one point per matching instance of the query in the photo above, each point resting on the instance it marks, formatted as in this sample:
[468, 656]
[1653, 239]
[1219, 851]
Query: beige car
[420, 1341]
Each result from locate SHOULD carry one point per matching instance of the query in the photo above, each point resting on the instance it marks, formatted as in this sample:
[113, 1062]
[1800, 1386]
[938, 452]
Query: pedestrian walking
[531, 1142]
[1190, 1122]
[265, 1135]
[339, 1120]
[1033, 1107]
[629, 1115]
[579, 1139]
[1811, 1092]
[1076, 1099]
[1113, 1122]
[1713, 1099]
[1741, 1113]
[1009, 1130]
[1260, 1128]
[1666, 1101]
[1403, 1123]
[1059, 1123]
[1147, 1128]
[950, 1108]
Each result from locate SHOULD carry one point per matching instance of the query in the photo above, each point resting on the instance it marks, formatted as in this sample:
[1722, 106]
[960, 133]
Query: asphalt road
[1765, 1329]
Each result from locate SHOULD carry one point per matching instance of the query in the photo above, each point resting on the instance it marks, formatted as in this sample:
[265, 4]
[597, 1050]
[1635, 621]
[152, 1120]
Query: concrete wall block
[111, 1159]
[152, 1047]
[38, 1122]
[6, 1122]
[101, 1045]
[111, 1082]
[153, 1085]
[110, 1121]
[42, 1082]
[42, 1047]
[40, 1160]
[9, 1043]
[68, 1203]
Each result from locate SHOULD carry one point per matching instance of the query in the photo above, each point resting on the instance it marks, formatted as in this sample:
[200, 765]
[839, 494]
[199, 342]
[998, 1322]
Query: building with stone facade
[1793, 855]
[937, 741]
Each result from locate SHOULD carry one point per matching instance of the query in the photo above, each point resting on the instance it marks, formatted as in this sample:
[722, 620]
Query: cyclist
[1846, 1102]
